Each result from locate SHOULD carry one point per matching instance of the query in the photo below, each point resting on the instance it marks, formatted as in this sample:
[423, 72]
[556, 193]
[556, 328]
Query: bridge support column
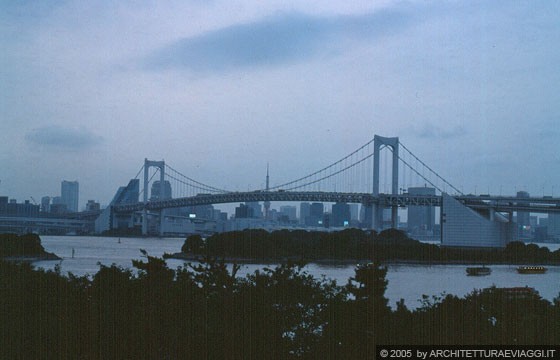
[161, 166]
[393, 143]
[368, 220]
[144, 222]
[161, 221]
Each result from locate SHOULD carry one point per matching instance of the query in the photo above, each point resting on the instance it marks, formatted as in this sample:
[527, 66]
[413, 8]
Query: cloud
[274, 40]
[431, 131]
[58, 137]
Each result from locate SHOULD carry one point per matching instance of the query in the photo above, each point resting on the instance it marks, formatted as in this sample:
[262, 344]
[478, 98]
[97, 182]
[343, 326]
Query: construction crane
[34, 202]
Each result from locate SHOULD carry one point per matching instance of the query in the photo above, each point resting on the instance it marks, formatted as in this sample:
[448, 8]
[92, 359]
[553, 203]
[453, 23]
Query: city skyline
[221, 89]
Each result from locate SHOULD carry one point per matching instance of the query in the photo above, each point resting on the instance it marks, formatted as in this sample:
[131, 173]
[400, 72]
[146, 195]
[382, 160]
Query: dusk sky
[218, 89]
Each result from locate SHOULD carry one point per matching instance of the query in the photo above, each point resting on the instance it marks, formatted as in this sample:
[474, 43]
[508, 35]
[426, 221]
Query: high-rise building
[354, 212]
[303, 212]
[69, 192]
[156, 190]
[317, 209]
[553, 225]
[340, 215]
[257, 209]
[523, 218]
[92, 205]
[243, 211]
[46, 204]
[315, 218]
[421, 218]
[289, 211]
[3, 205]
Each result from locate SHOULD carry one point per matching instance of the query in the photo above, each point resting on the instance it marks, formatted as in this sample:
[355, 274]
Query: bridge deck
[498, 203]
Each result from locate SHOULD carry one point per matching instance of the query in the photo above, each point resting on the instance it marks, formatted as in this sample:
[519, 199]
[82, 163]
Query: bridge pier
[144, 222]
[161, 221]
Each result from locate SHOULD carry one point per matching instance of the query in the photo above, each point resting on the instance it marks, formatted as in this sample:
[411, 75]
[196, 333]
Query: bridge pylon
[161, 166]
[378, 143]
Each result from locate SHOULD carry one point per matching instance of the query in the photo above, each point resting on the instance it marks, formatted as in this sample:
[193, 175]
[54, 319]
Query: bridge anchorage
[377, 175]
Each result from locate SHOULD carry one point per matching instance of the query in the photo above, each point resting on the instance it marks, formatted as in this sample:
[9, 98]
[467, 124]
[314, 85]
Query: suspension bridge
[376, 175]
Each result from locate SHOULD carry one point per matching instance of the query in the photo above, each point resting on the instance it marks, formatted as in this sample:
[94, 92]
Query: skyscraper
[421, 218]
[156, 189]
[289, 211]
[304, 209]
[69, 193]
[257, 209]
[46, 204]
[315, 218]
[523, 218]
[340, 215]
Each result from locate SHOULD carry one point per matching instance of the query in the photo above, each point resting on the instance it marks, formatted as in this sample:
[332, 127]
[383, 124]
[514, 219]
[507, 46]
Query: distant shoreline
[31, 258]
[268, 261]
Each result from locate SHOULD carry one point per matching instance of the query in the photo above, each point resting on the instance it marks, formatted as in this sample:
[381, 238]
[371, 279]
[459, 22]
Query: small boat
[478, 271]
[531, 269]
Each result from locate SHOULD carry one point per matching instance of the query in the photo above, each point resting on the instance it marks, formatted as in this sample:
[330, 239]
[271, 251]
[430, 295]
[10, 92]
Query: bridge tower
[267, 203]
[161, 166]
[378, 143]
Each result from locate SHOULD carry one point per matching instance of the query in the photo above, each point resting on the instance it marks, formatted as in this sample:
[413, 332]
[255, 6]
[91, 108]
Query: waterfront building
[553, 226]
[46, 204]
[25, 209]
[243, 211]
[58, 208]
[156, 191]
[466, 227]
[92, 205]
[273, 215]
[257, 209]
[421, 219]
[125, 195]
[523, 218]
[3, 205]
[69, 193]
[289, 211]
[340, 215]
[201, 212]
[316, 212]
[354, 212]
[304, 212]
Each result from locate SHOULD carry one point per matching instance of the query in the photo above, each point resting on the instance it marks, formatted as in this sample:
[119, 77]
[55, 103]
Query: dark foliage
[206, 311]
[21, 245]
[194, 244]
[354, 244]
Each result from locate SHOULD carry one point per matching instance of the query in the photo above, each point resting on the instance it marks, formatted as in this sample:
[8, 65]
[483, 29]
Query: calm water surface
[406, 281]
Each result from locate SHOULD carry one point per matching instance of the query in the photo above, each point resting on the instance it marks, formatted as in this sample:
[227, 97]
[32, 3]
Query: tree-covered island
[351, 245]
[23, 248]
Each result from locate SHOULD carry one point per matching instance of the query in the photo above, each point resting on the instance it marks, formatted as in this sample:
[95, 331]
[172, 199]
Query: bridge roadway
[498, 203]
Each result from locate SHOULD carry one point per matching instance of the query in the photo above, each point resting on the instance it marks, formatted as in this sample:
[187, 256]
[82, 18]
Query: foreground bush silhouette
[206, 311]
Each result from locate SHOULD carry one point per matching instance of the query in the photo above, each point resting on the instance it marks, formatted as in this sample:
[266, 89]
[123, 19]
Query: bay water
[82, 254]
